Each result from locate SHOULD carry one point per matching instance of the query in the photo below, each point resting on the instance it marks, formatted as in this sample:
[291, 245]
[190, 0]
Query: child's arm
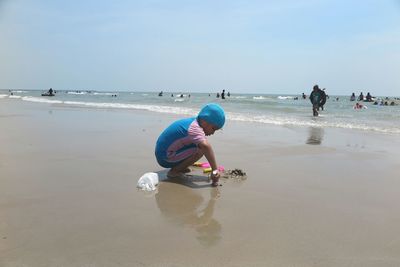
[208, 152]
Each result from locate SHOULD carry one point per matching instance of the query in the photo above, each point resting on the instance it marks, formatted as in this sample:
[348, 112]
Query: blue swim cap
[214, 114]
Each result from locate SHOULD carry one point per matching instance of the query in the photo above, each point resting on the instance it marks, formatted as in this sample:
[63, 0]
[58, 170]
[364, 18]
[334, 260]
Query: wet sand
[312, 197]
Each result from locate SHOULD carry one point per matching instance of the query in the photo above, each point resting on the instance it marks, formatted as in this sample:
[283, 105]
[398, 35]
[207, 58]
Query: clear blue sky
[282, 46]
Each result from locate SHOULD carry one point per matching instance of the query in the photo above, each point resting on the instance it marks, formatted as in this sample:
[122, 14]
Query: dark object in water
[47, 94]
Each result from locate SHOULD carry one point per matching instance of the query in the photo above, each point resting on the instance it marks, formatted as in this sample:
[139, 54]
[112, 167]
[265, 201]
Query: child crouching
[184, 142]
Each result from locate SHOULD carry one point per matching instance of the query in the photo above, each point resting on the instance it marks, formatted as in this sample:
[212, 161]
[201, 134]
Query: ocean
[284, 110]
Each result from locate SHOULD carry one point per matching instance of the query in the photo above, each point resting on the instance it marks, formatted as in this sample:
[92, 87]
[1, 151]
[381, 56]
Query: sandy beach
[312, 197]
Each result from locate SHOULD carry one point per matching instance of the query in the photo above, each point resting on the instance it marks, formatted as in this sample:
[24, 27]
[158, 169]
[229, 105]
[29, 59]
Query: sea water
[285, 110]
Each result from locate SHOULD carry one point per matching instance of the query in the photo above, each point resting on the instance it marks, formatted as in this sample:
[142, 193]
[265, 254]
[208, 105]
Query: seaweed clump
[235, 173]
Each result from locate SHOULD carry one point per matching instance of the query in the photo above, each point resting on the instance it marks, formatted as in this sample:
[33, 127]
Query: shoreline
[313, 197]
[369, 120]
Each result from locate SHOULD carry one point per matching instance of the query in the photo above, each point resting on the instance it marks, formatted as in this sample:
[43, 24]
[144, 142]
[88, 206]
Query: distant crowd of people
[218, 95]
[318, 99]
[223, 94]
[369, 98]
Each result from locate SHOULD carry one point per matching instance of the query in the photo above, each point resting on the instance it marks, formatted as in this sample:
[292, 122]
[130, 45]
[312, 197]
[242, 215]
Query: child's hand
[215, 177]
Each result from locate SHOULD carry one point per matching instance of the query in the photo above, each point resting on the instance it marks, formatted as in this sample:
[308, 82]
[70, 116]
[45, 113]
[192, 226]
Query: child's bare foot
[173, 174]
[215, 181]
[187, 170]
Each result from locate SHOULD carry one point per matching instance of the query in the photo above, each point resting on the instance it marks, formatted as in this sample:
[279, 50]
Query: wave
[77, 93]
[260, 97]
[96, 93]
[285, 97]
[280, 120]
[284, 121]
[160, 109]
[41, 100]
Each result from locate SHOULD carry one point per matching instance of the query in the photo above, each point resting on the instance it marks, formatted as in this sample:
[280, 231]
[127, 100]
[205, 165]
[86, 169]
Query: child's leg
[182, 167]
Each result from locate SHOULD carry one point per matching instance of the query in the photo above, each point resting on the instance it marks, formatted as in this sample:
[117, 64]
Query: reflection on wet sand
[316, 135]
[186, 207]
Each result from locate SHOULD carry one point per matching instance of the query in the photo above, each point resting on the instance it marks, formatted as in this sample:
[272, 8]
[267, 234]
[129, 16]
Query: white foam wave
[14, 96]
[284, 121]
[259, 97]
[3, 96]
[265, 119]
[77, 93]
[159, 109]
[285, 97]
[19, 91]
[41, 100]
[95, 93]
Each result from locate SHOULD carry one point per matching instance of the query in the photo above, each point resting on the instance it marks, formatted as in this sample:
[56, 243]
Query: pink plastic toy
[205, 165]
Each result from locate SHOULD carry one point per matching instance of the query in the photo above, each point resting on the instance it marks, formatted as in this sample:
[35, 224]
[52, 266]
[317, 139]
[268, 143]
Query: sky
[246, 46]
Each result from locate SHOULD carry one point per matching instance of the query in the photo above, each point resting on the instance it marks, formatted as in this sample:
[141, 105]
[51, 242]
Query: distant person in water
[217, 95]
[361, 97]
[229, 94]
[50, 91]
[316, 99]
[353, 97]
[359, 106]
[223, 94]
[304, 96]
[184, 142]
[368, 97]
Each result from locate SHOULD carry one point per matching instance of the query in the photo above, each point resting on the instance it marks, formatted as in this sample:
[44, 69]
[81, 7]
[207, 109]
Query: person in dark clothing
[316, 99]
[368, 97]
[223, 94]
[360, 97]
[323, 100]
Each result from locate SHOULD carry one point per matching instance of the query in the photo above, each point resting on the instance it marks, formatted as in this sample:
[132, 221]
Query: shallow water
[258, 108]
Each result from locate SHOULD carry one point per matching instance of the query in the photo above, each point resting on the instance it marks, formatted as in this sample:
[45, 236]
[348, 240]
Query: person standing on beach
[316, 99]
[184, 142]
